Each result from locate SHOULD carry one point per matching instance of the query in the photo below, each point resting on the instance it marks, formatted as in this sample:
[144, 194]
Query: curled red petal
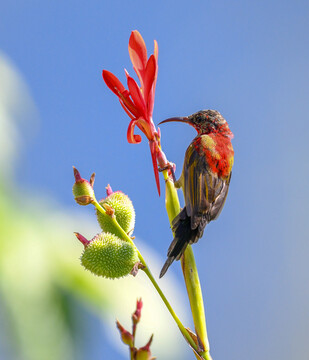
[153, 152]
[112, 82]
[147, 127]
[137, 96]
[132, 138]
[144, 126]
[138, 53]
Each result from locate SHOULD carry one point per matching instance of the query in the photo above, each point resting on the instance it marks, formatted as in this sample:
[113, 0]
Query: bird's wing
[204, 191]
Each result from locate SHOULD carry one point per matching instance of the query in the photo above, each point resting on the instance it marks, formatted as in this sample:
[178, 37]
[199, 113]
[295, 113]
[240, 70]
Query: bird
[205, 179]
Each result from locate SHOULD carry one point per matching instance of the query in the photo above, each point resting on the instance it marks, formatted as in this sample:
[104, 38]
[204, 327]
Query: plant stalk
[190, 273]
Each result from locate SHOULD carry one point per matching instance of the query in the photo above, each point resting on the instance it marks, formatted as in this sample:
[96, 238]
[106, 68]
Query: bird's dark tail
[184, 235]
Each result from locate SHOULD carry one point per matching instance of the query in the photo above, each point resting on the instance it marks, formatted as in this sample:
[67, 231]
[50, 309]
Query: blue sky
[249, 60]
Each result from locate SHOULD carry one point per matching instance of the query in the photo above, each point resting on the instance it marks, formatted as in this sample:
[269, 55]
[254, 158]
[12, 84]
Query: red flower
[138, 101]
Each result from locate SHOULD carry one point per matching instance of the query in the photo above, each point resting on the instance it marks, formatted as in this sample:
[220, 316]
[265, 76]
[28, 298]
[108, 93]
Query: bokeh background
[249, 60]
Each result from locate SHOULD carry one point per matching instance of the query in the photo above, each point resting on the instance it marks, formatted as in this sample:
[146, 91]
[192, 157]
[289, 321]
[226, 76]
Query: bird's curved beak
[177, 119]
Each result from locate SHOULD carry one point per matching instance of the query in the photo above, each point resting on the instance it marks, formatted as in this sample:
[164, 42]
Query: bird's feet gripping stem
[171, 167]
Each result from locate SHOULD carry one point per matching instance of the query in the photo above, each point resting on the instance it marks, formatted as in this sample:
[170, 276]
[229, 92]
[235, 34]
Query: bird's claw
[171, 167]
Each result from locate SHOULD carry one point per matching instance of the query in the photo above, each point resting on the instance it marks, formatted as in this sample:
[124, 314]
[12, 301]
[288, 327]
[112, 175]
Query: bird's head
[205, 122]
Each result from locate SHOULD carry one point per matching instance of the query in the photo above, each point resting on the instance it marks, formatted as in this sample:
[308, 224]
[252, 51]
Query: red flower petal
[126, 110]
[132, 138]
[117, 88]
[138, 53]
[154, 163]
[159, 132]
[112, 82]
[156, 50]
[126, 72]
[146, 128]
[125, 99]
[137, 96]
[149, 83]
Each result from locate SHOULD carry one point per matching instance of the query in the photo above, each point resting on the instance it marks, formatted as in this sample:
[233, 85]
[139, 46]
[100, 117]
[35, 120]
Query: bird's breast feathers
[218, 151]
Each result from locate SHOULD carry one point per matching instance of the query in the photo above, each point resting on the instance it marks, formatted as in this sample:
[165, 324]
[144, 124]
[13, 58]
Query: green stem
[195, 297]
[146, 270]
[170, 309]
[190, 274]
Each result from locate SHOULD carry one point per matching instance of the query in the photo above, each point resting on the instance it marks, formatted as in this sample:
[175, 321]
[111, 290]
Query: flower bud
[144, 352]
[83, 189]
[109, 256]
[126, 336]
[124, 212]
[136, 316]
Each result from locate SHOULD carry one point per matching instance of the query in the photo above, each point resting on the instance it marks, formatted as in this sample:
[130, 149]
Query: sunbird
[205, 179]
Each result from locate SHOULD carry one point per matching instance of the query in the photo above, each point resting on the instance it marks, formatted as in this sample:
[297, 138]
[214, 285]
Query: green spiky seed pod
[109, 256]
[124, 213]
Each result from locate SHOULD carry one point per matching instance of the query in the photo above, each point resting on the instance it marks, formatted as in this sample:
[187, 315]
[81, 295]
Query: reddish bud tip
[109, 190]
[77, 174]
[138, 312]
[144, 352]
[91, 181]
[126, 336]
[147, 346]
[82, 239]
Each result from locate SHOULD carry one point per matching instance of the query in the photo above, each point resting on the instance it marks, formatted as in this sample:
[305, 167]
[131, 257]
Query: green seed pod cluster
[109, 256]
[124, 213]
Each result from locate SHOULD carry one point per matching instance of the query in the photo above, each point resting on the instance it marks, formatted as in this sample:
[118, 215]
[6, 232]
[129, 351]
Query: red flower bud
[136, 316]
[109, 190]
